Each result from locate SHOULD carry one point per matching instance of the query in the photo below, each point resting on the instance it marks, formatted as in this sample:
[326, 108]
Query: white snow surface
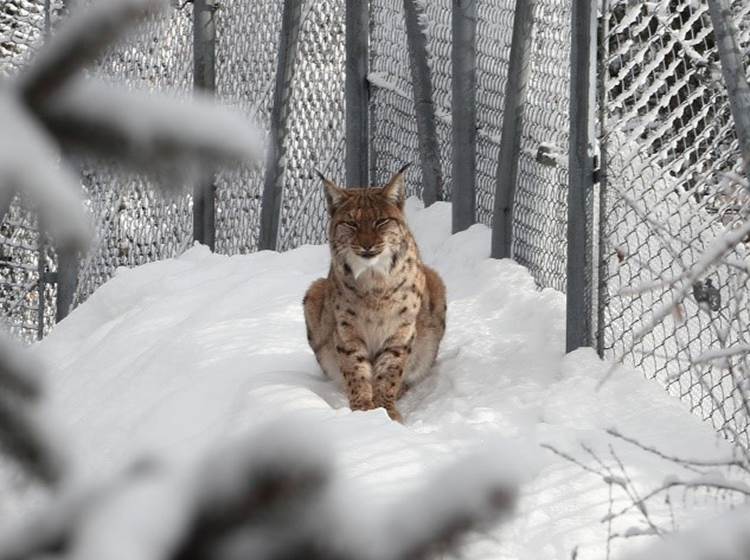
[179, 356]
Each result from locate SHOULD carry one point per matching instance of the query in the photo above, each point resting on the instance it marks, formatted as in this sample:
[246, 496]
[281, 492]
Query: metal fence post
[733, 70]
[357, 91]
[581, 171]
[601, 294]
[270, 215]
[66, 277]
[429, 149]
[510, 140]
[67, 281]
[463, 110]
[41, 270]
[204, 78]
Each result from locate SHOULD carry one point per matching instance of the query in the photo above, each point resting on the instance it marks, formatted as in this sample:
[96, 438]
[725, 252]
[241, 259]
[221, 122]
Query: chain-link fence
[668, 149]
[673, 188]
[540, 210]
[135, 226]
[26, 261]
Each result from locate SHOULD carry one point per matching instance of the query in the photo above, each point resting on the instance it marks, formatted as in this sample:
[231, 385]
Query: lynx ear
[334, 195]
[395, 190]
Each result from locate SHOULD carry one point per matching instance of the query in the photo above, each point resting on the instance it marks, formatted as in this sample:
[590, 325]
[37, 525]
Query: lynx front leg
[356, 371]
[388, 369]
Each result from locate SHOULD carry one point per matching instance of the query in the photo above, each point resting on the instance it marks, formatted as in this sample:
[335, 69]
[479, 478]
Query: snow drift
[177, 356]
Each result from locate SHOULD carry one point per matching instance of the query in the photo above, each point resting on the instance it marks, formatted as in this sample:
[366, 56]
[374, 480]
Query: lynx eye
[349, 225]
[382, 222]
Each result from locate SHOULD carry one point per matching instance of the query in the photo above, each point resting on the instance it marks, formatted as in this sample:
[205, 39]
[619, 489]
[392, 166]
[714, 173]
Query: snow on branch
[29, 164]
[683, 285]
[87, 34]
[27, 438]
[52, 104]
[19, 372]
[24, 434]
[683, 461]
[271, 495]
[472, 493]
[149, 132]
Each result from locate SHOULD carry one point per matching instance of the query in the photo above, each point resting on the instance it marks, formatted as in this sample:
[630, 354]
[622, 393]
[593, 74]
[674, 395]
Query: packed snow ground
[178, 355]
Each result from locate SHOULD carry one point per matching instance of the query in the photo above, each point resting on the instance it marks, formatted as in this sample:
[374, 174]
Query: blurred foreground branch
[51, 108]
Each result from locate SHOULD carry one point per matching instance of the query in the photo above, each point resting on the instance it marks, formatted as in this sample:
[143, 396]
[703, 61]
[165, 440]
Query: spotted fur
[375, 323]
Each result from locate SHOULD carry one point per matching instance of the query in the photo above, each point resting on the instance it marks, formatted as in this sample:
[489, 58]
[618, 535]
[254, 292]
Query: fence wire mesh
[26, 261]
[315, 129]
[22, 25]
[246, 34]
[134, 225]
[672, 190]
[540, 204]
[667, 140]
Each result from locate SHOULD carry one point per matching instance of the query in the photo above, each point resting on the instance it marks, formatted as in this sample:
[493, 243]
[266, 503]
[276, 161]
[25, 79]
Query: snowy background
[175, 357]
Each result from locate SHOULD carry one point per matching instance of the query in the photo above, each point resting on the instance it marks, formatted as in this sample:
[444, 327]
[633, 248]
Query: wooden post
[463, 110]
[733, 70]
[429, 149]
[510, 140]
[270, 215]
[204, 78]
[357, 92]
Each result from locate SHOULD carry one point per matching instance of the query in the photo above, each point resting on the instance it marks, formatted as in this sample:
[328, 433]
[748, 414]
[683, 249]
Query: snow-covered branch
[29, 164]
[76, 45]
[23, 433]
[272, 495]
[149, 132]
[50, 109]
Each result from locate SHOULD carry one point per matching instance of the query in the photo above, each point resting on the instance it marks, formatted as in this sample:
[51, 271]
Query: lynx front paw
[361, 404]
[394, 414]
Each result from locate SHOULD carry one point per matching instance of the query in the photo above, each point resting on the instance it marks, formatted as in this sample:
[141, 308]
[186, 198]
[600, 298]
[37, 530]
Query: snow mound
[175, 356]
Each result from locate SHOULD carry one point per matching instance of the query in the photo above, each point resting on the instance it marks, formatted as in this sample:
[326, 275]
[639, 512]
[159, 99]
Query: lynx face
[367, 225]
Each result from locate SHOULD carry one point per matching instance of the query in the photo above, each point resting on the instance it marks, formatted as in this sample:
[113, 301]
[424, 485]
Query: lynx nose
[369, 252]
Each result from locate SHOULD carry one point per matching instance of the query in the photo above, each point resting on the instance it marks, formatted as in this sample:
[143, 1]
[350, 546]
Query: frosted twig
[661, 230]
[634, 495]
[685, 462]
[572, 459]
[714, 252]
[684, 484]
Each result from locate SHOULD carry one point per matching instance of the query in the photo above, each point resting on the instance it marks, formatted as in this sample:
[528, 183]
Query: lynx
[375, 323]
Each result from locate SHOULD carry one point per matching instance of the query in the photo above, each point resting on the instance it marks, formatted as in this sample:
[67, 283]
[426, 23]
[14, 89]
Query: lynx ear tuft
[395, 189]
[334, 194]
